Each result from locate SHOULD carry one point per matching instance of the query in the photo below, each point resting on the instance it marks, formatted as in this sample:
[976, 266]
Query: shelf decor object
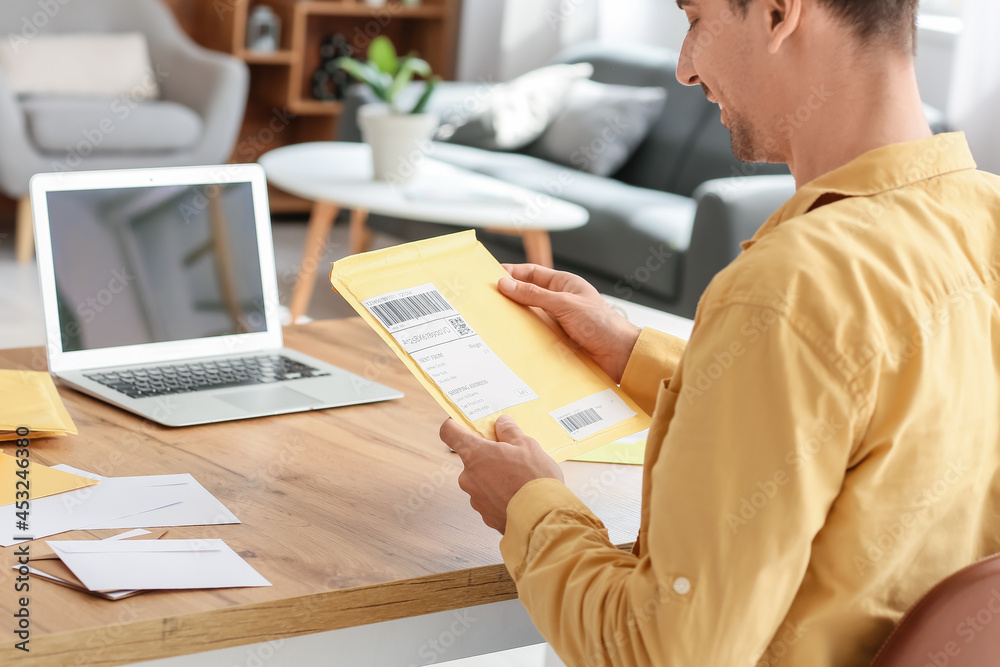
[283, 109]
[263, 30]
[330, 81]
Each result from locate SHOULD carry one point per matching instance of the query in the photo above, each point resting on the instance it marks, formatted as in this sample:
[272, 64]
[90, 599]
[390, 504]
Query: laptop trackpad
[268, 399]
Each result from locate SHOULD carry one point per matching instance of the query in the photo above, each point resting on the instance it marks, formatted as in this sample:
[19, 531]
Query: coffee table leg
[538, 247]
[361, 236]
[323, 215]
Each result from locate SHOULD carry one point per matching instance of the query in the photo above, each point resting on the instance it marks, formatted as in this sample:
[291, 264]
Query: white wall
[501, 39]
[656, 22]
[936, 41]
[479, 40]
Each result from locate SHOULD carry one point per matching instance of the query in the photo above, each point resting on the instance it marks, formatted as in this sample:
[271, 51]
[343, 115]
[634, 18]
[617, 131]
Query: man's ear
[782, 18]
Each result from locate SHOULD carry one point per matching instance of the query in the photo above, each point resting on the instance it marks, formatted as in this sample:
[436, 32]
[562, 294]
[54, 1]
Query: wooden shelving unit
[281, 109]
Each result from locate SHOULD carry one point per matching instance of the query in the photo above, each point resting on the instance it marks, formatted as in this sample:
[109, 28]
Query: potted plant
[398, 137]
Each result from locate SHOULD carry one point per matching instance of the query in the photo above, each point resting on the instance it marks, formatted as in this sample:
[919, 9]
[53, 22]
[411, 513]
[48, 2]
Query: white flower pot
[399, 142]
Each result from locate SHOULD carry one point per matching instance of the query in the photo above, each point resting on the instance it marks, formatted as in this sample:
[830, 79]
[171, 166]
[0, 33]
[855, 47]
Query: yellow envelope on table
[41, 480]
[30, 399]
[479, 354]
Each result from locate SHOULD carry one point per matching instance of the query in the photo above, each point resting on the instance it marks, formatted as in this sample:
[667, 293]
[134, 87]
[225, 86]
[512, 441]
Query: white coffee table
[338, 175]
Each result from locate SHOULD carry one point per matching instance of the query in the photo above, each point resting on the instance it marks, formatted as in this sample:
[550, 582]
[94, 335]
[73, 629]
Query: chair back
[957, 624]
[24, 19]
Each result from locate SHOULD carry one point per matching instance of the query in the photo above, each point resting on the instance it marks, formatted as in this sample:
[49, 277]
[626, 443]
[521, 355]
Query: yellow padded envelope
[479, 354]
[30, 398]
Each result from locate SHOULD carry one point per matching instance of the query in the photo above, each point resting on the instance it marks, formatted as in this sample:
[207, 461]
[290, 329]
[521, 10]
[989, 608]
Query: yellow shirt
[823, 451]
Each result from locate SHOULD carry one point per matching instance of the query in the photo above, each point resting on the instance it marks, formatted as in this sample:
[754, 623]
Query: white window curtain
[502, 39]
[535, 31]
[975, 91]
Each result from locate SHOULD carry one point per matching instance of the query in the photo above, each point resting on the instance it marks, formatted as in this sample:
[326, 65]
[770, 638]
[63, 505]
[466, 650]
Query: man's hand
[495, 471]
[579, 309]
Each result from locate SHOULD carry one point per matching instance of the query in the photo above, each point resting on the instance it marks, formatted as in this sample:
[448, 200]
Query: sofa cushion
[688, 144]
[81, 65]
[635, 235]
[517, 112]
[85, 126]
[599, 126]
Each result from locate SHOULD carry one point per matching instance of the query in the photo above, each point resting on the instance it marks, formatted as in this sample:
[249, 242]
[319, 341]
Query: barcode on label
[579, 420]
[406, 308]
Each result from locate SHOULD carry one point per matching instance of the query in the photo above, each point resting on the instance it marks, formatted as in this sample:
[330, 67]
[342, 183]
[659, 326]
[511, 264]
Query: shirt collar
[880, 170]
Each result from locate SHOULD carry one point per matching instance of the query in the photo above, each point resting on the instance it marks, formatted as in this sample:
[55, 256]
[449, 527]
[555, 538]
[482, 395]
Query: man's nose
[686, 72]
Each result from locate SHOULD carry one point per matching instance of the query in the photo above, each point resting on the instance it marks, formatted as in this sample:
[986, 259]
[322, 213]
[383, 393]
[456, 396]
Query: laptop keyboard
[209, 374]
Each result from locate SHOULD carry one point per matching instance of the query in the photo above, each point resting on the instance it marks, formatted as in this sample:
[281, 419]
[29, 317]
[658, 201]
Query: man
[827, 446]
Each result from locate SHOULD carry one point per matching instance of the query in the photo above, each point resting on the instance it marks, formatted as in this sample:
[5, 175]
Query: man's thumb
[507, 429]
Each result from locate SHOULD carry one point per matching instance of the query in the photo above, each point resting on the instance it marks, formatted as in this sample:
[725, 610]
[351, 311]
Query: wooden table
[353, 514]
[337, 174]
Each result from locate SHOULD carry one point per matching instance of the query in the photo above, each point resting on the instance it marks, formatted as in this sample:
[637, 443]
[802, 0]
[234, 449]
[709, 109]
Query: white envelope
[89, 507]
[156, 564]
[193, 504]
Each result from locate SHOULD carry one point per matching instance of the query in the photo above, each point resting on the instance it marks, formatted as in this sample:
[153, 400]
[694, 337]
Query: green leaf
[378, 81]
[403, 76]
[428, 91]
[419, 66]
[382, 54]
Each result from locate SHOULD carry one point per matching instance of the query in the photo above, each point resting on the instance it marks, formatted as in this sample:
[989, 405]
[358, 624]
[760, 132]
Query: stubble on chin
[742, 140]
[746, 142]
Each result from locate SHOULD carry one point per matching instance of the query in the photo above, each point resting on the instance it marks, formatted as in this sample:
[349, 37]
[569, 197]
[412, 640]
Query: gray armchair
[196, 120]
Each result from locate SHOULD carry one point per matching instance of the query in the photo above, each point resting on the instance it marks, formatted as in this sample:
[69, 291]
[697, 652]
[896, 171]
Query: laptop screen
[155, 264]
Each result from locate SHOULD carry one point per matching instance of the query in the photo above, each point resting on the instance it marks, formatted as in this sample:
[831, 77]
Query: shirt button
[682, 586]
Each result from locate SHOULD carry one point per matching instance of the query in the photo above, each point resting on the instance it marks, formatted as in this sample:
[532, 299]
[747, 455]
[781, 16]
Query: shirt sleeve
[754, 455]
[654, 359]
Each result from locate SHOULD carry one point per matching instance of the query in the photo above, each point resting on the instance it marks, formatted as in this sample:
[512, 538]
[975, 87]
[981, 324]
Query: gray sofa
[667, 221]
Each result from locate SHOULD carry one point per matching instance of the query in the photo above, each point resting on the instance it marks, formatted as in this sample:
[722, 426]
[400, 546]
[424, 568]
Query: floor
[20, 302]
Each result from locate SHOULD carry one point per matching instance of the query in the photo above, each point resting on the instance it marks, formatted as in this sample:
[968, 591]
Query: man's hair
[887, 21]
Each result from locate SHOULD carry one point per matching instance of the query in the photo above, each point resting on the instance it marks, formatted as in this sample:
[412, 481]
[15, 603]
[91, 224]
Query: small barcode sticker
[592, 414]
[579, 420]
[408, 308]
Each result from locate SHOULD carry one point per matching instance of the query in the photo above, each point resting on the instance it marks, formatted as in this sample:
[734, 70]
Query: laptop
[161, 297]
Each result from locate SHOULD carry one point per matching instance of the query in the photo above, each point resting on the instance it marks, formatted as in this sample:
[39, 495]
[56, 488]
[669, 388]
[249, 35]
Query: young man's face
[724, 54]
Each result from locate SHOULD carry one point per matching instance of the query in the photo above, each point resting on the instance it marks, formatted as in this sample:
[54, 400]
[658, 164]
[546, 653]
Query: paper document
[156, 564]
[37, 482]
[436, 303]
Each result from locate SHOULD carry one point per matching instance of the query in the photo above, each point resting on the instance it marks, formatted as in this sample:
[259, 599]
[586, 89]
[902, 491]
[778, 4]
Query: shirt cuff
[529, 506]
[654, 359]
